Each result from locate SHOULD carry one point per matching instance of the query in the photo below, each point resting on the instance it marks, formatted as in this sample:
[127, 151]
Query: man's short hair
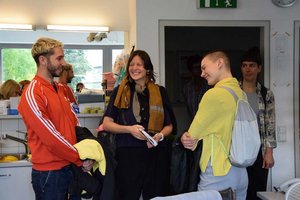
[44, 46]
[67, 67]
[216, 54]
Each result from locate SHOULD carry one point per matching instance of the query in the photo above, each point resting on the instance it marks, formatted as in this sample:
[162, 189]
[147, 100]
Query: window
[87, 66]
[89, 62]
[115, 53]
[17, 64]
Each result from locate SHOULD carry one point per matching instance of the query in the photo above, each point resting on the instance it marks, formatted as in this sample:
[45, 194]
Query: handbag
[185, 169]
[108, 139]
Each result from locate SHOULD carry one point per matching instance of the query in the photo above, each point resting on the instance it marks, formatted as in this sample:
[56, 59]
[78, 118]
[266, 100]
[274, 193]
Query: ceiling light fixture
[77, 28]
[16, 27]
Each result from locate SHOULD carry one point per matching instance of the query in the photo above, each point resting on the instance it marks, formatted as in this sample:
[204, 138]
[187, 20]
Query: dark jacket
[95, 184]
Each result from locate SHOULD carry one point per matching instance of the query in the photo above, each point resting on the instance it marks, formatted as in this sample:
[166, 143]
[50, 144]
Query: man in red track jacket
[50, 123]
[65, 78]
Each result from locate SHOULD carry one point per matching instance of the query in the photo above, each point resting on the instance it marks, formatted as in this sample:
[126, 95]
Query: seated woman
[9, 88]
[79, 87]
[23, 85]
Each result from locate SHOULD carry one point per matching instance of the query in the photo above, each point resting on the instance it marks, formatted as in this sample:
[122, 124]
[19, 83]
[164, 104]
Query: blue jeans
[51, 185]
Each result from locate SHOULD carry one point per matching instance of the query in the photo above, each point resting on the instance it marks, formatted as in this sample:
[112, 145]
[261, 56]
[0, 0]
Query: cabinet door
[15, 183]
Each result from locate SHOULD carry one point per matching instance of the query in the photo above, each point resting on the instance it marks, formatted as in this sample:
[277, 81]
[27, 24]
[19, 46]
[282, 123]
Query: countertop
[19, 163]
[78, 115]
[270, 195]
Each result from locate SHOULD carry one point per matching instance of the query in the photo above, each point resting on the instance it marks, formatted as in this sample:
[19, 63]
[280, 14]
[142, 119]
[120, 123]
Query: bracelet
[162, 136]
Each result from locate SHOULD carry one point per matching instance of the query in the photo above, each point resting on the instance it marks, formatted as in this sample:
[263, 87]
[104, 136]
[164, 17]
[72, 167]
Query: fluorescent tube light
[77, 28]
[16, 26]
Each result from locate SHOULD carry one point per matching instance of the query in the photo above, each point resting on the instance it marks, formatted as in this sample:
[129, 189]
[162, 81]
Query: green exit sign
[216, 3]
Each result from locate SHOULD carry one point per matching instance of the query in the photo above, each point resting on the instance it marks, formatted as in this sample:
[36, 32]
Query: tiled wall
[11, 124]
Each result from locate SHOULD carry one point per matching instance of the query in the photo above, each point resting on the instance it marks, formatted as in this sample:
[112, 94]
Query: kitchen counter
[19, 163]
[10, 124]
[78, 115]
[15, 180]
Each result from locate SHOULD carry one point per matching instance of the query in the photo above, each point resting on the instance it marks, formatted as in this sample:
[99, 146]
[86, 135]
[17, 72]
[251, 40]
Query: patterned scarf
[156, 110]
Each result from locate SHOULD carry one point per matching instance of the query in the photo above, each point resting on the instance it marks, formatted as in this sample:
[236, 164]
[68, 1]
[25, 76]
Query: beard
[69, 79]
[54, 71]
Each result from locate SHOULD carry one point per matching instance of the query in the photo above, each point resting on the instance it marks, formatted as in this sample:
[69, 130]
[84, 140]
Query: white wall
[281, 77]
[29, 37]
[112, 13]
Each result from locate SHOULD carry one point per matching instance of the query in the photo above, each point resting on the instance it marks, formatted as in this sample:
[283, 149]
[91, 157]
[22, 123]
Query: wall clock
[284, 3]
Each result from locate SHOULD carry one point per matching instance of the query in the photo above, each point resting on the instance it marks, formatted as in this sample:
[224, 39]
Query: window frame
[107, 52]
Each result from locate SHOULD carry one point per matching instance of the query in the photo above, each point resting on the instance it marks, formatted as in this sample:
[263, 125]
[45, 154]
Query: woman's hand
[187, 141]
[135, 132]
[157, 138]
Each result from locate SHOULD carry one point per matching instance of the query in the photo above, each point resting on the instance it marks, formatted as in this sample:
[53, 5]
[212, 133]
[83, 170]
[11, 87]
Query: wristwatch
[284, 3]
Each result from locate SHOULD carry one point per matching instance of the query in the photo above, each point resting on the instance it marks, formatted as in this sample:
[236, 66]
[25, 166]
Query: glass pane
[87, 66]
[17, 64]
[115, 53]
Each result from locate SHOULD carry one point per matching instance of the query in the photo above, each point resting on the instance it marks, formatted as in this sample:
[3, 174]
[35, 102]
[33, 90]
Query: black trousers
[142, 171]
[258, 178]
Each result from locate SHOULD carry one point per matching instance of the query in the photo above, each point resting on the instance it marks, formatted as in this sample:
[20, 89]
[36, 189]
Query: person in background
[213, 124]
[119, 68]
[9, 88]
[79, 87]
[138, 103]
[194, 90]
[23, 84]
[262, 102]
[50, 124]
[65, 78]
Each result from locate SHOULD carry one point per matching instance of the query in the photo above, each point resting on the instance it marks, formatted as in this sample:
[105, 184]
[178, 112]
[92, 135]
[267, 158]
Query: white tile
[92, 123]
[21, 125]
[81, 121]
[9, 124]
[11, 150]
[10, 144]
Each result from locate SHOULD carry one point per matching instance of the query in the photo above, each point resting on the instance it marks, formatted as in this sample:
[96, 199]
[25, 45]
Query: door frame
[296, 97]
[264, 26]
[265, 35]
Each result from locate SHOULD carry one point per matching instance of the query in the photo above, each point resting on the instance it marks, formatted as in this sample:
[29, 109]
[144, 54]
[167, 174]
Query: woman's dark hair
[252, 55]
[147, 64]
[77, 86]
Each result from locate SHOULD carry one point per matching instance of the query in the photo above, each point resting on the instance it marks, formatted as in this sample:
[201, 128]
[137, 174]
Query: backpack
[245, 142]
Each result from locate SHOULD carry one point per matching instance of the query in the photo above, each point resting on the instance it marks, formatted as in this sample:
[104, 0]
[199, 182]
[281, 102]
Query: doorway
[180, 39]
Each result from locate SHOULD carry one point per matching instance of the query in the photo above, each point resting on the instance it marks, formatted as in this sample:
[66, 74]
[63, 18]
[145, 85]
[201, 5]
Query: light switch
[281, 133]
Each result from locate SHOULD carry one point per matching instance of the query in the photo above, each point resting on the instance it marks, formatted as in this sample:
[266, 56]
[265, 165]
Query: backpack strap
[236, 99]
[231, 92]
